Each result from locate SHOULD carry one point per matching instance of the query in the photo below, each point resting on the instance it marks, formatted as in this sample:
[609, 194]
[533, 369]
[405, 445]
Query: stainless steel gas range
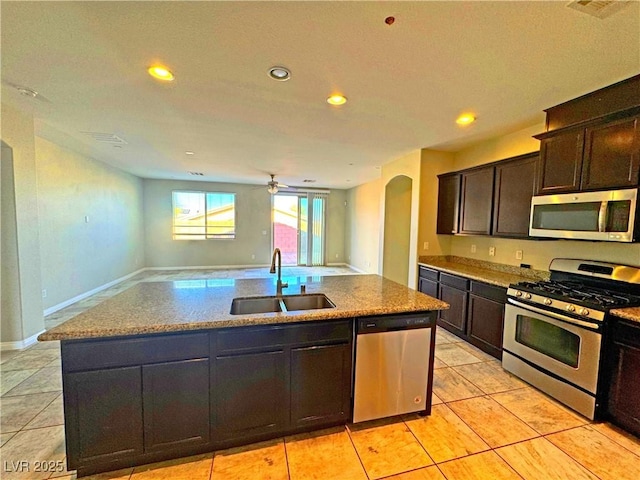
[553, 330]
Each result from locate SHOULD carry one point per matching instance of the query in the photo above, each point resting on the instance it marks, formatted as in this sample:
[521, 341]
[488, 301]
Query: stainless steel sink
[286, 303]
[242, 306]
[307, 302]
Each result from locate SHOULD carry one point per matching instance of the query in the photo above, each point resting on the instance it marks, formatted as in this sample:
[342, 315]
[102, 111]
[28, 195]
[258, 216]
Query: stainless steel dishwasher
[393, 365]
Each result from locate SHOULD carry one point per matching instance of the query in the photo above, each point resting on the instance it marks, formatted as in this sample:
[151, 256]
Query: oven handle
[557, 316]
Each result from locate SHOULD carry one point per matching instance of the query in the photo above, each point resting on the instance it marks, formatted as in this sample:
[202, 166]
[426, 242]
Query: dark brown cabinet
[448, 203]
[428, 281]
[612, 155]
[515, 184]
[175, 399]
[601, 156]
[320, 385]
[476, 309]
[476, 201]
[624, 392]
[103, 415]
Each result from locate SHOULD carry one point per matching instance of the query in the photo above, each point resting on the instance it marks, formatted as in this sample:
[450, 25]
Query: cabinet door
[476, 201]
[561, 162]
[250, 394]
[485, 324]
[103, 415]
[453, 319]
[320, 385]
[514, 187]
[428, 287]
[176, 404]
[624, 396]
[448, 200]
[612, 155]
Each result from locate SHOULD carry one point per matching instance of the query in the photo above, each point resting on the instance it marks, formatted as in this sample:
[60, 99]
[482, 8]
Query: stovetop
[580, 294]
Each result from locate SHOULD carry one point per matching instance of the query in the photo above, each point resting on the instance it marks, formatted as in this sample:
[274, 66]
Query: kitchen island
[164, 370]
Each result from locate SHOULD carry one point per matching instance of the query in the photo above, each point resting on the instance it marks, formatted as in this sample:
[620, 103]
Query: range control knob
[584, 312]
[518, 293]
[547, 301]
[571, 308]
[527, 296]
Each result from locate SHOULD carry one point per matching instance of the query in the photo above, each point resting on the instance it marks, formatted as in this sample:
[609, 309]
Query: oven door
[567, 348]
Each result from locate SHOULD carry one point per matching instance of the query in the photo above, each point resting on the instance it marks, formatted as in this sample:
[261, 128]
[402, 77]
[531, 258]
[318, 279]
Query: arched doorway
[397, 229]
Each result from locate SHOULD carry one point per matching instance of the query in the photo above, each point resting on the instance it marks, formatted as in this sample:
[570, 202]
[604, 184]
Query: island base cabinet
[176, 404]
[103, 415]
[250, 397]
[320, 385]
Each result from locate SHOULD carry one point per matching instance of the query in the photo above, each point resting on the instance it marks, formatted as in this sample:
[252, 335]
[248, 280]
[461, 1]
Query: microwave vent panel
[598, 8]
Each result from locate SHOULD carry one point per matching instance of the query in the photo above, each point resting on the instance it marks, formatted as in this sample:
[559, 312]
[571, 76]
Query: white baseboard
[84, 295]
[20, 344]
[209, 267]
[359, 270]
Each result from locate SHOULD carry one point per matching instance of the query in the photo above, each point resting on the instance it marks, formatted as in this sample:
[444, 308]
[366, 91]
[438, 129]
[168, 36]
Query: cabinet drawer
[320, 332]
[454, 281]
[78, 355]
[253, 338]
[492, 292]
[627, 334]
[428, 273]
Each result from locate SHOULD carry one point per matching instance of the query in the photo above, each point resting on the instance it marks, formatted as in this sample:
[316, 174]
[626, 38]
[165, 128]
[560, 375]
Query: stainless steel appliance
[553, 329]
[394, 366]
[607, 215]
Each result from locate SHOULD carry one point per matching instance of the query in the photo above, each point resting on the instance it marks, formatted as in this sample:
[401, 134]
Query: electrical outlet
[425, 246]
[86, 219]
[253, 256]
[44, 293]
[492, 251]
[518, 254]
[337, 255]
[473, 249]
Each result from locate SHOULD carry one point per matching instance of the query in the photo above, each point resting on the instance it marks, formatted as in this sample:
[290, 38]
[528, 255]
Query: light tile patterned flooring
[485, 424]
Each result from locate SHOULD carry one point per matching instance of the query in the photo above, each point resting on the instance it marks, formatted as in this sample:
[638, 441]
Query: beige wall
[253, 228]
[21, 281]
[397, 226]
[409, 166]
[79, 255]
[363, 226]
[537, 253]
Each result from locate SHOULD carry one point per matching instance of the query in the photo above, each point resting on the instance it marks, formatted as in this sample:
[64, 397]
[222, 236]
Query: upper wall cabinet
[476, 201]
[592, 142]
[493, 199]
[448, 203]
[515, 183]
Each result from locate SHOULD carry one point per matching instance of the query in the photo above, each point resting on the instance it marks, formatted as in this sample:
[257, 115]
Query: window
[203, 215]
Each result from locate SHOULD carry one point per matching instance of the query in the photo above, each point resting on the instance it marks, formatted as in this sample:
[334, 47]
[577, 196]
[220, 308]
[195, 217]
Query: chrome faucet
[279, 285]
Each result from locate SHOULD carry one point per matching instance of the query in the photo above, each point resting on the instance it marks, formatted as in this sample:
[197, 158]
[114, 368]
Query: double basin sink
[285, 303]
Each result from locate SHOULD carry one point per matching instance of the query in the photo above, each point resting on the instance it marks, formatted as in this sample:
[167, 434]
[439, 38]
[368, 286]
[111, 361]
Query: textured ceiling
[505, 61]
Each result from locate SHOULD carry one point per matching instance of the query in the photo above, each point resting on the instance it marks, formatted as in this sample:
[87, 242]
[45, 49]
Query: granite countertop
[632, 313]
[157, 307]
[488, 272]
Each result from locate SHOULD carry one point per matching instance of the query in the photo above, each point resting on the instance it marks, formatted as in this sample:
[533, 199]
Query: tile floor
[485, 423]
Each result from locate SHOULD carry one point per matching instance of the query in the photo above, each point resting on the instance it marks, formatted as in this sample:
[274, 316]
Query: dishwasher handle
[367, 325]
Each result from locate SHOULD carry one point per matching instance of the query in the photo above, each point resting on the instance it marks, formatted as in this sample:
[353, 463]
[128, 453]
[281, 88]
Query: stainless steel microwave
[607, 216]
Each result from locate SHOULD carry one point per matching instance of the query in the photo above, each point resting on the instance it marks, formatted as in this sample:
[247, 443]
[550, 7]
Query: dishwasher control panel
[394, 322]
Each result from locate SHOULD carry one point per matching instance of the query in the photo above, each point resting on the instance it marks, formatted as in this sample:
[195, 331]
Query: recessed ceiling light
[466, 119]
[189, 153]
[337, 99]
[281, 74]
[27, 92]
[161, 73]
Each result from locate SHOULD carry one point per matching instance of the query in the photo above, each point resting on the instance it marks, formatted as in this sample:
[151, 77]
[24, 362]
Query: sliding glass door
[299, 227]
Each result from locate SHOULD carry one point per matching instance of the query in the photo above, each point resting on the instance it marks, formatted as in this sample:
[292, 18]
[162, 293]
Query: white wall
[79, 256]
[22, 316]
[253, 228]
[363, 226]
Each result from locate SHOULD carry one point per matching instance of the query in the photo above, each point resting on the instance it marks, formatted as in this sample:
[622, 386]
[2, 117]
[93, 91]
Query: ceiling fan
[273, 185]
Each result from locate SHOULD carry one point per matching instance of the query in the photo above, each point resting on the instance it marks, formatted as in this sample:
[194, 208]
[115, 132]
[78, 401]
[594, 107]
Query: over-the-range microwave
[608, 215]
